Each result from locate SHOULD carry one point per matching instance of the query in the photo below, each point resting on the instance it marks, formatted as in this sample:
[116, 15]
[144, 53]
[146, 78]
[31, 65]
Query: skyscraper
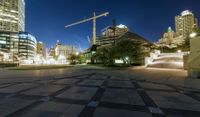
[185, 23]
[12, 15]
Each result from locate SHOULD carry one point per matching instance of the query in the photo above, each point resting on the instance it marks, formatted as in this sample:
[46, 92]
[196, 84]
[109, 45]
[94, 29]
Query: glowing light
[27, 62]
[122, 26]
[186, 12]
[119, 61]
[192, 35]
[2, 42]
[51, 61]
[61, 59]
[179, 51]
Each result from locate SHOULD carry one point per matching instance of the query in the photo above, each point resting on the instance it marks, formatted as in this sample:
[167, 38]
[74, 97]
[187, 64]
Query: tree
[130, 51]
[73, 58]
[104, 54]
[197, 30]
[80, 58]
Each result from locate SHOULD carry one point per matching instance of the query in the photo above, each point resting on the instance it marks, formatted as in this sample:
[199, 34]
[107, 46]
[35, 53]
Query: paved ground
[96, 92]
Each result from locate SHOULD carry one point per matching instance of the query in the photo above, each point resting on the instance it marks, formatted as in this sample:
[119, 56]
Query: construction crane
[94, 24]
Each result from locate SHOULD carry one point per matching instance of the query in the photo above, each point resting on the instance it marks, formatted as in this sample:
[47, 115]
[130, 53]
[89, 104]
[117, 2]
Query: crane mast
[94, 29]
[94, 18]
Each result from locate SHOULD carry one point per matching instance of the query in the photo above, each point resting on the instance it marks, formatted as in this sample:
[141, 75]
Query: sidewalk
[176, 77]
[100, 93]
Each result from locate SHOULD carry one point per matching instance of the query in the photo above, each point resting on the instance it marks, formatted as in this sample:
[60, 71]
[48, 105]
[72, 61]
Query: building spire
[170, 29]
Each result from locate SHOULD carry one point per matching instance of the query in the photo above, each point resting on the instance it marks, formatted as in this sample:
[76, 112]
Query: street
[92, 91]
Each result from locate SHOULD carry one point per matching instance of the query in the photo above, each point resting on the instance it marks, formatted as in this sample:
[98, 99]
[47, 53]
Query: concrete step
[172, 65]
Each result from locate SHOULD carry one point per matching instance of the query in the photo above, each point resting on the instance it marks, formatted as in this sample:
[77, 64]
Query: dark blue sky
[46, 19]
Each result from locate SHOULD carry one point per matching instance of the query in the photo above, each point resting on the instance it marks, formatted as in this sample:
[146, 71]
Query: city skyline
[41, 16]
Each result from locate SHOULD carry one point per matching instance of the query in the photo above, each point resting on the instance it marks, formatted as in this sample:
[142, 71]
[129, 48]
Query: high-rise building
[170, 39]
[41, 49]
[52, 52]
[12, 15]
[185, 23]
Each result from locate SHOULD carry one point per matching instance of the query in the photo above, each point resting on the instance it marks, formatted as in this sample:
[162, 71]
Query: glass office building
[19, 47]
[12, 15]
[9, 45]
[27, 47]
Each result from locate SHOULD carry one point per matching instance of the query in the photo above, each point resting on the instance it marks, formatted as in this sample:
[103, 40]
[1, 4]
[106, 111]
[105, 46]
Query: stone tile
[122, 96]
[92, 82]
[10, 105]
[155, 110]
[197, 94]
[80, 93]
[98, 77]
[45, 81]
[56, 109]
[81, 77]
[4, 85]
[93, 104]
[67, 81]
[173, 116]
[120, 84]
[45, 99]
[180, 116]
[119, 78]
[45, 90]
[105, 112]
[154, 86]
[16, 88]
[41, 114]
[174, 100]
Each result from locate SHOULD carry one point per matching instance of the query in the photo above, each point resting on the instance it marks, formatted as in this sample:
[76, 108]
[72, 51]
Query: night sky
[45, 19]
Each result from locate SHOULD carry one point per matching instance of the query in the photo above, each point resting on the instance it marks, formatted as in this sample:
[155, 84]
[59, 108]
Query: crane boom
[86, 20]
[94, 24]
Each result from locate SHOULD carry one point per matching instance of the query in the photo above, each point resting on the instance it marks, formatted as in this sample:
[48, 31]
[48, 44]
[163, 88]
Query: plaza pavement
[89, 91]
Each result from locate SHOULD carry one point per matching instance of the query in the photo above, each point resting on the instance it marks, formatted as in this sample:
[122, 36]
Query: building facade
[17, 47]
[12, 15]
[27, 47]
[63, 52]
[171, 39]
[109, 35]
[9, 42]
[15, 44]
[185, 23]
[52, 52]
[41, 49]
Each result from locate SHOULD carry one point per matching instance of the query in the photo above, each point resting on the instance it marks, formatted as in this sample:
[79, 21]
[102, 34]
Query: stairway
[168, 60]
